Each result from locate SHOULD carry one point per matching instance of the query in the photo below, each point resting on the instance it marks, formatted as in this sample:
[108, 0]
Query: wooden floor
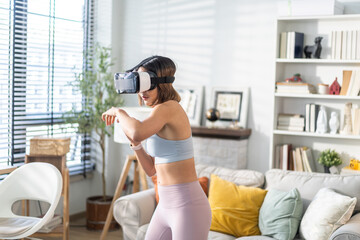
[78, 231]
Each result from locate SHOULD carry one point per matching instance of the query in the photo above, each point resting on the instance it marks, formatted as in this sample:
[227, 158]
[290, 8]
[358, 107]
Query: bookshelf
[314, 71]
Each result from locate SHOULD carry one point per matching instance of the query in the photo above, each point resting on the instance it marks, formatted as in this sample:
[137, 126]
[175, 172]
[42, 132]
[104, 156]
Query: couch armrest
[348, 231]
[134, 210]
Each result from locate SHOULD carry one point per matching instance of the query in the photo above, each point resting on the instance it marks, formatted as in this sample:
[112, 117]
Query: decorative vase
[326, 169]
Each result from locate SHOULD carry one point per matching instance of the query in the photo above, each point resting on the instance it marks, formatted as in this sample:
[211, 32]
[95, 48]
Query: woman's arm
[146, 161]
[138, 131]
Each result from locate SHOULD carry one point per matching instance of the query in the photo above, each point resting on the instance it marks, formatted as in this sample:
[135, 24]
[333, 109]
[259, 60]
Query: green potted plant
[96, 85]
[329, 158]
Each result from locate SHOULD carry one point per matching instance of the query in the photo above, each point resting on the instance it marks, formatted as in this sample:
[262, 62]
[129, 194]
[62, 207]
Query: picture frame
[232, 103]
[192, 101]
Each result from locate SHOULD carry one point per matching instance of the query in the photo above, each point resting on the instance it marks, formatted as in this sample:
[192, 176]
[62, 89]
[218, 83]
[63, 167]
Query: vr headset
[135, 82]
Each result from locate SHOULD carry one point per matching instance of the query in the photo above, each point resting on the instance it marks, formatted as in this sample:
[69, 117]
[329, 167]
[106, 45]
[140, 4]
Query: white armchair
[32, 181]
[134, 211]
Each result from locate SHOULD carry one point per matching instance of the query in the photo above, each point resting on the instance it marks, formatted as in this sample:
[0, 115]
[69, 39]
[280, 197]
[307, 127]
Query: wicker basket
[49, 146]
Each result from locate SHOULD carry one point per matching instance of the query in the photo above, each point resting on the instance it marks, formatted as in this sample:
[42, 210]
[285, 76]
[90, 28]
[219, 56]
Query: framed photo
[232, 103]
[192, 101]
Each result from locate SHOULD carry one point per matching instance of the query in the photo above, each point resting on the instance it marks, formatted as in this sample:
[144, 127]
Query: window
[42, 46]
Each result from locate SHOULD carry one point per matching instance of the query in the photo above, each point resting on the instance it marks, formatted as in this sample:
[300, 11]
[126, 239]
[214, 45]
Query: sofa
[133, 212]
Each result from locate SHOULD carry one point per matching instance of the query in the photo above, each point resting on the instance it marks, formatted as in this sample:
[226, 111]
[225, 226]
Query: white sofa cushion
[327, 212]
[248, 178]
[309, 184]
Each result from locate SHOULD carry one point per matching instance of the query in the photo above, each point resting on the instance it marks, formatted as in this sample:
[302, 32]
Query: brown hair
[162, 67]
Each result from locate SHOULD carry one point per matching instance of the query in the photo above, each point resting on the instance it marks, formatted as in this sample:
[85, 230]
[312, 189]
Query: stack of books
[283, 158]
[294, 159]
[311, 115]
[295, 87]
[303, 159]
[345, 44]
[291, 45]
[290, 122]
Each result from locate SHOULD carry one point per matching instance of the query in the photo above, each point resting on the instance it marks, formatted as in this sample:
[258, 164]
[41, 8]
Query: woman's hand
[109, 116]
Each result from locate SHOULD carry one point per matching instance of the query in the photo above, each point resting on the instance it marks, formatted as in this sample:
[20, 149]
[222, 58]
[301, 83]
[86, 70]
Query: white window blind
[42, 46]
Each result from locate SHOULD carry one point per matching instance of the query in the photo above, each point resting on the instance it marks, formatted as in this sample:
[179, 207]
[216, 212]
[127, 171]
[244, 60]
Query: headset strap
[163, 79]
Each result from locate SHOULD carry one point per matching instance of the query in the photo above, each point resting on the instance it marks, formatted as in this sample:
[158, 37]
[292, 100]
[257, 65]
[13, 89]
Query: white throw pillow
[327, 212]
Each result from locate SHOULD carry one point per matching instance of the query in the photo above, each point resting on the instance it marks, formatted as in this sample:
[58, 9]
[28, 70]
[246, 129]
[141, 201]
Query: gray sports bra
[168, 151]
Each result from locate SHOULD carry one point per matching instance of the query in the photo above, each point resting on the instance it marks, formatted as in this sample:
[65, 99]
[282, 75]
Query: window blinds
[42, 47]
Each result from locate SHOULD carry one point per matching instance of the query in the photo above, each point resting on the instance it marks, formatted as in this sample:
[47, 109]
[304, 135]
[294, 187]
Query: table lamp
[140, 113]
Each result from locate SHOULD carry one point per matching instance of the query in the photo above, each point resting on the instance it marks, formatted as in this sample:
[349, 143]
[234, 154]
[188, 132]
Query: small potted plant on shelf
[329, 158]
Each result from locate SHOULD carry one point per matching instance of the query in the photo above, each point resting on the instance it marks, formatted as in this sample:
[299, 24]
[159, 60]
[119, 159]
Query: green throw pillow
[280, 214]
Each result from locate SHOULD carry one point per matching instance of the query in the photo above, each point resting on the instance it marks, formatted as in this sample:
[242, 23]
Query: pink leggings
[183, 213]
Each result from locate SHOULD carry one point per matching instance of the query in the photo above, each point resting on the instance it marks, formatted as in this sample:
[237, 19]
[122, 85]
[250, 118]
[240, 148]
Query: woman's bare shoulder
[168, 105]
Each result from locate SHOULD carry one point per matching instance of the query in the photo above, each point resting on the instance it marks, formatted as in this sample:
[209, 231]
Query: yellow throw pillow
[235, 209]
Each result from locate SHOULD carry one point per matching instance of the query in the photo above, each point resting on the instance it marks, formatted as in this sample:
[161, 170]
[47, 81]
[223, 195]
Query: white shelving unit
[314, 71]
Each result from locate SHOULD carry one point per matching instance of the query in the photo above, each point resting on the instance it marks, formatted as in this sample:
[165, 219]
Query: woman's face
[149, 97]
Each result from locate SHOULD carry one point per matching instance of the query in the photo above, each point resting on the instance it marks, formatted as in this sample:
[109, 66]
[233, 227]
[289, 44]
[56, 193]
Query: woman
[183, 212]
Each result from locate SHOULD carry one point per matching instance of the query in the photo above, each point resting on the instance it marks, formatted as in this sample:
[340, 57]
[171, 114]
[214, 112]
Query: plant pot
[96, 212]
[326, 169]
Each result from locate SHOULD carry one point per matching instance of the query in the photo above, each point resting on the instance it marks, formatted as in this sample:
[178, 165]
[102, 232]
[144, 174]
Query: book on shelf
[289, 40]
[338, 44]
[283, 157]
[345, 44]
[357, 55]
[283, 45]
[307, 117]
[345, 82]
[298, 44]
[314, 113]
[354, 83]
[291, 45]
[307, 159]
[293, 120]
[344, 47]
[333, 44]
[276, 160]
[295, 87]
[298, 160]
[311, 115]
[349, 171]
[291, 128]
[355, 115]
[290, 122]
[303, 160]
[353, 44]
[287, 157]
[349, 45]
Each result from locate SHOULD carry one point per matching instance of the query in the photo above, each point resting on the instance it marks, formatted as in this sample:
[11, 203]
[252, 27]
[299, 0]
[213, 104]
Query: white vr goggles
[135, 82]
